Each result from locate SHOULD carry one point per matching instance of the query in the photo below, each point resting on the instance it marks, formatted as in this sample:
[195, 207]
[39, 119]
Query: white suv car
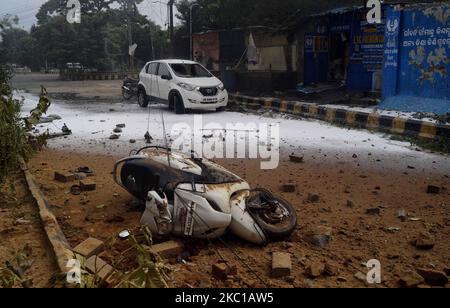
[181, 85]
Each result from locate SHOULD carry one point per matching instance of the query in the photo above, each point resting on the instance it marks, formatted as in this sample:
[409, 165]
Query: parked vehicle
[129, 88]
[181, 85]
[74, 66]
[191, 197]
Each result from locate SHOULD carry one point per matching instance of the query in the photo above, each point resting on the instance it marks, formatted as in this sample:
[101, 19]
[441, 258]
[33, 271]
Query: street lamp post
[190, 31]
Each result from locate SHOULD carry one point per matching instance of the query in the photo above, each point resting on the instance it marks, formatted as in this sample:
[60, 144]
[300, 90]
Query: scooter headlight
[188, 87]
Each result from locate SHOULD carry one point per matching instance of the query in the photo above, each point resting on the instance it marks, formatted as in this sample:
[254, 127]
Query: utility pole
[191, 49]
[172, 46]
[130, 37]
[151, 42]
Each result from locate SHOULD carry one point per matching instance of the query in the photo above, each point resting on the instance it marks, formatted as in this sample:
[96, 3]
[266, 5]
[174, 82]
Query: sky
[27, 9]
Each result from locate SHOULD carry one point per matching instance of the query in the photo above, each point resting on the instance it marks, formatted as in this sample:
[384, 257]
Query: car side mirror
[165, 77]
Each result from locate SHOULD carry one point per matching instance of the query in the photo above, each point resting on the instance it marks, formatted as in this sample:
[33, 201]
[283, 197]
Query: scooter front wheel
[275, 216]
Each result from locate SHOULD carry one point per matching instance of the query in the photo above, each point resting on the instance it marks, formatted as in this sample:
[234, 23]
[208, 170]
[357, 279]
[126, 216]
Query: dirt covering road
[360, 205]
[22, 236]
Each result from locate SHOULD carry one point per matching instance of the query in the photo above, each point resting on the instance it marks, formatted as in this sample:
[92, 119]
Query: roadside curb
[354, 119]
[95, 76]
[58, 242]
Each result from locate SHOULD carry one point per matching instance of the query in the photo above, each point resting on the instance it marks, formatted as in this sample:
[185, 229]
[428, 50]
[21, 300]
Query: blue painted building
[344, 47]
[416, 58]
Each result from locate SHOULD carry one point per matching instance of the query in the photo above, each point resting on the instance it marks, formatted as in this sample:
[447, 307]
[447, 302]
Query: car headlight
[187, 86]
[221, 87]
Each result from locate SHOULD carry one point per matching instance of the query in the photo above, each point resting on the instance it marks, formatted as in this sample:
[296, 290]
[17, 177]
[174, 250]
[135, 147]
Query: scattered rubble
[22, 221]
[64, 177]
[424, 244]
[432, 189]
[75, 190]
[331, 270]
[410, 279]
[99, 267]
[288, 188]
[88, 185]
[281, 264]
[360, 276]
[315, 270]
[296, 159]
[433, 277]
[221, 271]
[167, 250]
[114, 137]
[89, 247]
[80, 176]
[373, 211]
[313, 197]
[402, 215]
[322, 236]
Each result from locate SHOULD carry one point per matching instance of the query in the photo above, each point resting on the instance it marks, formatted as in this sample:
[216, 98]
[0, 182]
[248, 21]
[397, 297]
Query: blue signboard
[416, 61]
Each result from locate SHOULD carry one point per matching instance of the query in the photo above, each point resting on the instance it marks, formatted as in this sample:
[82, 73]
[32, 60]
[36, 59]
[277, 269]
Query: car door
[152, 83]
[144, 77]
[163, 84]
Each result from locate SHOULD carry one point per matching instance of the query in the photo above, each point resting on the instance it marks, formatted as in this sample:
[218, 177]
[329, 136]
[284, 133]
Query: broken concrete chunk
[331, 270]
[87, 185]
[315, 270]
[424, 244]
[313, 197]
[410, 279]
[221, 271]
[296, 159]
[80, 176]
[322, 236]
[64, 177]
[98, 267]
[432, 277]
[373, 211]
[432, 189]
[402, 215]
[89, 247]
[288, 188]
[281, 264]
[167, 250]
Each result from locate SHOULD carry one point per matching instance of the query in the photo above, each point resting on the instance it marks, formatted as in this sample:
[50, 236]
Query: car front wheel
[179, 105]
[142, 98]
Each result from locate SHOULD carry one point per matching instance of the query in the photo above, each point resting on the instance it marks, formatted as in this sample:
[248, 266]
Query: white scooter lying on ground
[191, 197]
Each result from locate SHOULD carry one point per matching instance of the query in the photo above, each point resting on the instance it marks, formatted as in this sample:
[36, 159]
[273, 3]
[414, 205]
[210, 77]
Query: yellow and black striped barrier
[371, 121]
[77, 76]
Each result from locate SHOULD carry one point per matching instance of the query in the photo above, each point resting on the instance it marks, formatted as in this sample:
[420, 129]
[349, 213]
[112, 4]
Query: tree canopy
[100, 41]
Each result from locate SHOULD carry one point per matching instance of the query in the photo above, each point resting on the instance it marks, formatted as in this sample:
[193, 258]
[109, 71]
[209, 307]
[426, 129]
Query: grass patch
[435, 145]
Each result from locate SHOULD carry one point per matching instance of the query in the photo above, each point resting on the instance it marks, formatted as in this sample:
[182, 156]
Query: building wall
[206, 49]
[274, 53]
[416, 60]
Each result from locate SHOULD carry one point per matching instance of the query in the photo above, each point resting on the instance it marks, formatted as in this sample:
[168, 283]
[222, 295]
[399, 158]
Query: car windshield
[190, 70]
